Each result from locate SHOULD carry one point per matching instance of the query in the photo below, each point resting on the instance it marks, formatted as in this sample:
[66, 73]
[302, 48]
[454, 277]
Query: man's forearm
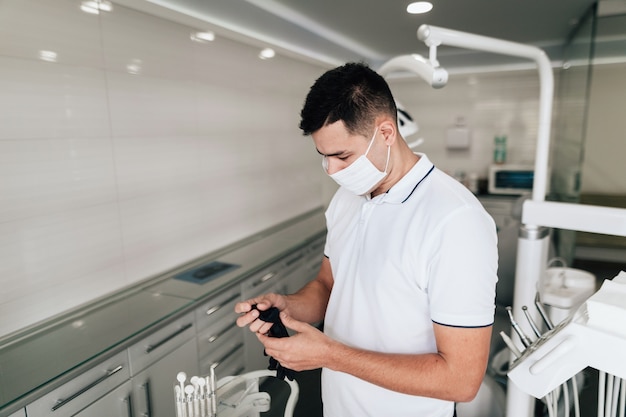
[309, 303]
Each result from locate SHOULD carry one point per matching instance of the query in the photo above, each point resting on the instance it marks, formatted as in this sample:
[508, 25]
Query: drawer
[229, 362]
[152, 348]
[116, 403]
[222, 305]
[226, 333]
[83, 390]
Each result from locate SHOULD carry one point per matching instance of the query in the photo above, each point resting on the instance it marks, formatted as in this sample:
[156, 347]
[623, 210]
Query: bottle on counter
[499, 150]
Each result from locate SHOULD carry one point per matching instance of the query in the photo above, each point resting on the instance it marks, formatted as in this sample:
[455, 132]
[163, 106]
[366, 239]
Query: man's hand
[305, 350]
[250, 316]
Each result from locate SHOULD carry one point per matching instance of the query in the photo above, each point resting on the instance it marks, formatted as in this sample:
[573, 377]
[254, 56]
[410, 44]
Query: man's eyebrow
[330, 154]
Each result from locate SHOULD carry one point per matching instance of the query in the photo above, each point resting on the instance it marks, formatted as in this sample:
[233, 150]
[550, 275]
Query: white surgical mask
[361, 175]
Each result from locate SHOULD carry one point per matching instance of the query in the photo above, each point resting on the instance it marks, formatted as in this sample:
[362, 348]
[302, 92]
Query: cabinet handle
[150, 348]
[219, 306]
[294, 259]
[146, 388]
[214, 337]
[223, 358]
[129, 406]
[61, 402]
[264, 278]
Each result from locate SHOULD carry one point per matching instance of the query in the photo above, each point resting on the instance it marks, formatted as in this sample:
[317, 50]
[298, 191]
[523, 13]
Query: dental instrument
[531, 322]
[231, 396]
[525, 339]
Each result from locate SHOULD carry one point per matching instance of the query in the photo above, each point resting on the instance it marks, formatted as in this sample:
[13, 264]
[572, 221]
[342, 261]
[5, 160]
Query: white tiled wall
[490, 104]
[108, 177]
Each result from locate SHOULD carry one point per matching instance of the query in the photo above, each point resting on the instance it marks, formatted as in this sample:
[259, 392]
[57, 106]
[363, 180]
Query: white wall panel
[137, 151]
[47, 100]
[41, 177]
[30, 26]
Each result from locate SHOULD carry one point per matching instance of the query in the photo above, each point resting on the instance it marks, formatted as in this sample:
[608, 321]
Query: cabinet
[84, 390]
[19, 413]
[269, 280]
[153, 388]
[154, 363]
[308, 266]
[220, 340]
[501, 209]
[286, 276]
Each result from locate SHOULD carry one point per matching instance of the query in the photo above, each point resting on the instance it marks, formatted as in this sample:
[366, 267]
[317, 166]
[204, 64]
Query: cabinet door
[85, 389]
[116, 403]
[160, 343]
[19, 413]
[153, 388]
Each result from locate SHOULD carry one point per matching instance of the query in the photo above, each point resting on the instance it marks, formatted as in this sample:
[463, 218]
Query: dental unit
[543, 368]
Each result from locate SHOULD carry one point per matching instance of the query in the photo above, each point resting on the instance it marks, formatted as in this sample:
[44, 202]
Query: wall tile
[47, 100]
[140, 44]
[144, 106]
[50, 176]
[39, 253]
[158, 164]
[30, 26]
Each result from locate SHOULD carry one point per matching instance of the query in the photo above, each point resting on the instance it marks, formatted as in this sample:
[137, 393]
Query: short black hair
[352, 93]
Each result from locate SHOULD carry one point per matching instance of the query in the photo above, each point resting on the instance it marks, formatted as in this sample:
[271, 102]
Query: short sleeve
[463, 269]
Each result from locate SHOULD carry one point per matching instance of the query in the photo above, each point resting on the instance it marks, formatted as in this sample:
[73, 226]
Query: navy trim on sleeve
[463, 327]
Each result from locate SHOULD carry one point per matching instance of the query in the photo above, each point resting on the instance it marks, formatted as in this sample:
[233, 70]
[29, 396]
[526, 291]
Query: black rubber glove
[278, 329]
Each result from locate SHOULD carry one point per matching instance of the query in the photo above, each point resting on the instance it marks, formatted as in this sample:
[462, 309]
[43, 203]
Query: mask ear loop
[388, 155]
[371, 142]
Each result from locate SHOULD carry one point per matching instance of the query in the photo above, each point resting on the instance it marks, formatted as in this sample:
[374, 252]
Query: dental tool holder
[231, 396]
[574, 344]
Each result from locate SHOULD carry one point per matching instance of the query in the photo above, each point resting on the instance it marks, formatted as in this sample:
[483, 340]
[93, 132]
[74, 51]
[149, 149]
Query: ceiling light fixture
[48, 56]
[95, 6]
[419, 7]
[267, 53]
[202, 37]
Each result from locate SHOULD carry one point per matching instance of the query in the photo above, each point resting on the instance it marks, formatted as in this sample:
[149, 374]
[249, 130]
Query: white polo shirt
[424, 252]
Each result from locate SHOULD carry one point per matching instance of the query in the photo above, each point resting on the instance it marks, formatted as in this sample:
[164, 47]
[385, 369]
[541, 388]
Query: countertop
[42, 358]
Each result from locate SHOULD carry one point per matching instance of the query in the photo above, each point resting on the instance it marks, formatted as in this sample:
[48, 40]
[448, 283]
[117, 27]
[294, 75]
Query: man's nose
[333, 165]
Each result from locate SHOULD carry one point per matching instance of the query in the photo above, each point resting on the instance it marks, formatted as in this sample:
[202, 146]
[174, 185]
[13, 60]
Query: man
[406, 288]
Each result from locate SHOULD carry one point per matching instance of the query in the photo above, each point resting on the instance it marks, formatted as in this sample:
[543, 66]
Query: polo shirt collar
[404, 188]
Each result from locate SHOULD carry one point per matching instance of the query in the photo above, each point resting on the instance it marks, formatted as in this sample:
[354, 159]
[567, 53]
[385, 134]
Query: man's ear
[389, 131]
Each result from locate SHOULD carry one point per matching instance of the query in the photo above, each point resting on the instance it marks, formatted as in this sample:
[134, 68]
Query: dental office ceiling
[337, 31]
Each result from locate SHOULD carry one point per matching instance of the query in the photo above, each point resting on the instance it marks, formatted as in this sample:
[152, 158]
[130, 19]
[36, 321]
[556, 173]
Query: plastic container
[565, 289]
[499, 150]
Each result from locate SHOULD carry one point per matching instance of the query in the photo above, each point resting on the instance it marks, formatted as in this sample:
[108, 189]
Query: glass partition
[568, 143]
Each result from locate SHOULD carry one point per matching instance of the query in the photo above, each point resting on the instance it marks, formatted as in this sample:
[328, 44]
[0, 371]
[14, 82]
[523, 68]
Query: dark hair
[352, 93]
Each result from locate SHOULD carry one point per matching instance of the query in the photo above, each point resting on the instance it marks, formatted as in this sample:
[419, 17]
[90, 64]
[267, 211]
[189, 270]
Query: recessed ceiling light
[419, 7]
[95, 6]
[267, 53]
[134, 67]
[203, 37]
[49, 56]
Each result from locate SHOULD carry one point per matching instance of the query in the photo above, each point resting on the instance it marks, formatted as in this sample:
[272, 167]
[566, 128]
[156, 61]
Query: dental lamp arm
[434, 36]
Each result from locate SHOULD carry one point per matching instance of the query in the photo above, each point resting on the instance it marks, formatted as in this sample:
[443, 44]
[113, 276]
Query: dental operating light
[429, 71]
